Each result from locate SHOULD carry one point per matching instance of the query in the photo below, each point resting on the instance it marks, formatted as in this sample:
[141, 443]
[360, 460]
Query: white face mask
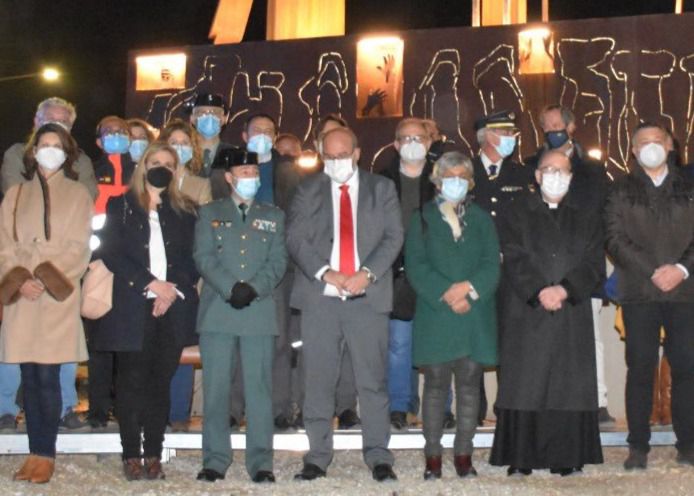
[413, 152]
[339, 170]
[50, 157]
[652, 155]
[554, 184]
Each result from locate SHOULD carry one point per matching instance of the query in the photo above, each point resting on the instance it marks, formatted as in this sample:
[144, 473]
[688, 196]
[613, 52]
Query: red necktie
[346, 233]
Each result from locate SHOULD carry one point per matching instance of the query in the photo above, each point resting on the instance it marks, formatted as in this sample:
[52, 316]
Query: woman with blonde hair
[44, 251]
[147, 243]
[183, 138]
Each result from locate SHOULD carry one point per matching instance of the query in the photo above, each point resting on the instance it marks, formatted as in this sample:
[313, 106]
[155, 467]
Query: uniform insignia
[216, 223]
[511, 189]
[105, 179]
[264, 225]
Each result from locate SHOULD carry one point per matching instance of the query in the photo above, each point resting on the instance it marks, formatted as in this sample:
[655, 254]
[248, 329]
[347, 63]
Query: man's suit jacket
[310, 237]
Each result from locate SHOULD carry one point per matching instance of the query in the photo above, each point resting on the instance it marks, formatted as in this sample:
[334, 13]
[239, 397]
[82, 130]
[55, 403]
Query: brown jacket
[45, 330]
[197, 189]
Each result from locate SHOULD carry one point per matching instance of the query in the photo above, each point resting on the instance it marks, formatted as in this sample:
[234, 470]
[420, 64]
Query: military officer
[240, 253]
[499, 181]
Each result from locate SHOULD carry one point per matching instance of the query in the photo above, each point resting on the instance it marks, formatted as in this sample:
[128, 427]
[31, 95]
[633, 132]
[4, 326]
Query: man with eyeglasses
[499, 181]
[410, 172]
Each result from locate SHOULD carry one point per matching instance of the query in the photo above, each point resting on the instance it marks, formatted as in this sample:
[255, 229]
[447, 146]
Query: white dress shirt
[353, 183]
[486, 162]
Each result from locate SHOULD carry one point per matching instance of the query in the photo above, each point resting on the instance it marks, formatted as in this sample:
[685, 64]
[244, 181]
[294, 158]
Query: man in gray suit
[344, 232]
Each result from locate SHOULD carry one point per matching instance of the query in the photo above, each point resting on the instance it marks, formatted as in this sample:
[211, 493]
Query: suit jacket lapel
[364, 207]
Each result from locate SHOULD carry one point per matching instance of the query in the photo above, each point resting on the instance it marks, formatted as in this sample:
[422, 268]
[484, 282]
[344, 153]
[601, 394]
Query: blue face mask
[506, 145]
[137, 149]
[260, 144]
[454, 189]
[184, 152]
[247, 187]
[208, 125]
[115, 143]
[555, 139]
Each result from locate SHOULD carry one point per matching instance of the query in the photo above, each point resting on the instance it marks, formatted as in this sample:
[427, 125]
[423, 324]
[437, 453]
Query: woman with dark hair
[452, 262]
[44, 251]
[183, 138]
[147, 243]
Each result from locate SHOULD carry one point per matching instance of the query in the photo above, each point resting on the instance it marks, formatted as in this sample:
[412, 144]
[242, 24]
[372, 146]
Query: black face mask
[159, 177]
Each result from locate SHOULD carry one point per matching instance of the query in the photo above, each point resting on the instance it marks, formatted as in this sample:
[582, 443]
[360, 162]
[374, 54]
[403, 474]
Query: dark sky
[89, 40]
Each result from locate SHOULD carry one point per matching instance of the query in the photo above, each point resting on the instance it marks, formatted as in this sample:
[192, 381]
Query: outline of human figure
[486, 81]
[267, 84]
[687, 65]
[588, 84]
[177, 102]
[423, 100]
[621, 61]
[330, 64]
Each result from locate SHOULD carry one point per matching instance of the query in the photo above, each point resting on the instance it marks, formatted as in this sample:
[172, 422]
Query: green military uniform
[229, 250]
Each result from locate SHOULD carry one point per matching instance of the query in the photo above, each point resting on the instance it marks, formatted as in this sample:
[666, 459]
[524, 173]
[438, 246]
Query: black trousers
[643, 322]
[42, 406]
[142, 388]
[437, 385]
[101, 378]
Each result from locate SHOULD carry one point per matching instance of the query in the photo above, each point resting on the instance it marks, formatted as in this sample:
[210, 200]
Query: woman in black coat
[553, 259]
[147, 243]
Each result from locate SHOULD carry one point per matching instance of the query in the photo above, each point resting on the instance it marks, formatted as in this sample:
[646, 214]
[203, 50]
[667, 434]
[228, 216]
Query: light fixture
[536, 51]
[595, 153]
[379, 76]
[161, 72]
[308, 159]
[50, 74]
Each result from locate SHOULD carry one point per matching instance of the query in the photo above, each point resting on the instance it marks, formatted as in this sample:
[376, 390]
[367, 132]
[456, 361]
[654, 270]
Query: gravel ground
[87, 475]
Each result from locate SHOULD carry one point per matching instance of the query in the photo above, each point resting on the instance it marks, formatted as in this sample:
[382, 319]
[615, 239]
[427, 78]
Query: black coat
[547, 360]
[497, 196]
[404, 297]
[125, 251]
[648, 227]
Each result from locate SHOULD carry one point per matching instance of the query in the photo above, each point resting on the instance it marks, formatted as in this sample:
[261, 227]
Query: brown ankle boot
[463, 466]
[153, 468]
[433, 468]
[43, 469]
[665, 392]
[132, 469]
[24, 473]
[655, 411]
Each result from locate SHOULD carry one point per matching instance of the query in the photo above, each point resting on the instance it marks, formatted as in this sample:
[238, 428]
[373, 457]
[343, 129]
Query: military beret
[233, 157]
[504, 119]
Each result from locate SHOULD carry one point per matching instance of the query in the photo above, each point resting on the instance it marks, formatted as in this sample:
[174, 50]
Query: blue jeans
[9, 383]
[400, 365]
[181, 393]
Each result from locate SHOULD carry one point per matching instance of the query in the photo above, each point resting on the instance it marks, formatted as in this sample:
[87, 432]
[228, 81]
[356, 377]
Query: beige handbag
[97, 291]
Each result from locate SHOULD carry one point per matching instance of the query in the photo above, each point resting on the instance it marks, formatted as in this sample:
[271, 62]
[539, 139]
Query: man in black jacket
[590, 183]
[410, 172]
[650, 235]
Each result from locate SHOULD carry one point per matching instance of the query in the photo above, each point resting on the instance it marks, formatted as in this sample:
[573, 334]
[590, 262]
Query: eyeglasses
[409, 139]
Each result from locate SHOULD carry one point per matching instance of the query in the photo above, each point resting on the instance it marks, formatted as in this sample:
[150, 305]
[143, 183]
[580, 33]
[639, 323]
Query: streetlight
[48, 74]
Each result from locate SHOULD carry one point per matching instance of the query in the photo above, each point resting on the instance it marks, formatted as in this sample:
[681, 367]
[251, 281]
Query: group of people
[441, 262]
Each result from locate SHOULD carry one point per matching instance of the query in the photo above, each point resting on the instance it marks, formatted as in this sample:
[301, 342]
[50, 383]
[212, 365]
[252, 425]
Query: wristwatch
[473, 294]
[369, 275]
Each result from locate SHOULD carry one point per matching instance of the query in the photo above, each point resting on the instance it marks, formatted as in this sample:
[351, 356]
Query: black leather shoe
[209, 475]
[518, 471]
[282, 423]
[263, 476]
[449, 421]
[348, 419]
[398, 420]
[564, 472]
[383, 472]
[637, 459]
[233, 423]
[309, 473]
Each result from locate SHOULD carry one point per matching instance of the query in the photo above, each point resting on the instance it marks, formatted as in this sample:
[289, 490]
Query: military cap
[208, 100]
[504, 119]
[234, 157]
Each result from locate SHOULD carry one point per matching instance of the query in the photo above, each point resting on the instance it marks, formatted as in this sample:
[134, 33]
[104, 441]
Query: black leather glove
[242, 294]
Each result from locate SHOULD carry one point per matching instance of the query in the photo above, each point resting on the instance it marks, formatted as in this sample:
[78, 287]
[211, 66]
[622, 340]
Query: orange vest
[107, 191]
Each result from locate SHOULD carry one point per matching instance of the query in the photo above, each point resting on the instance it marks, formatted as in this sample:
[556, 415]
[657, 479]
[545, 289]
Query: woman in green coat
[452, 261]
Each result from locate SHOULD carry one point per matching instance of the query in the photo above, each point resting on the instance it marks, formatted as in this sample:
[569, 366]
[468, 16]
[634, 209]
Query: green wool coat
[434, 261]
